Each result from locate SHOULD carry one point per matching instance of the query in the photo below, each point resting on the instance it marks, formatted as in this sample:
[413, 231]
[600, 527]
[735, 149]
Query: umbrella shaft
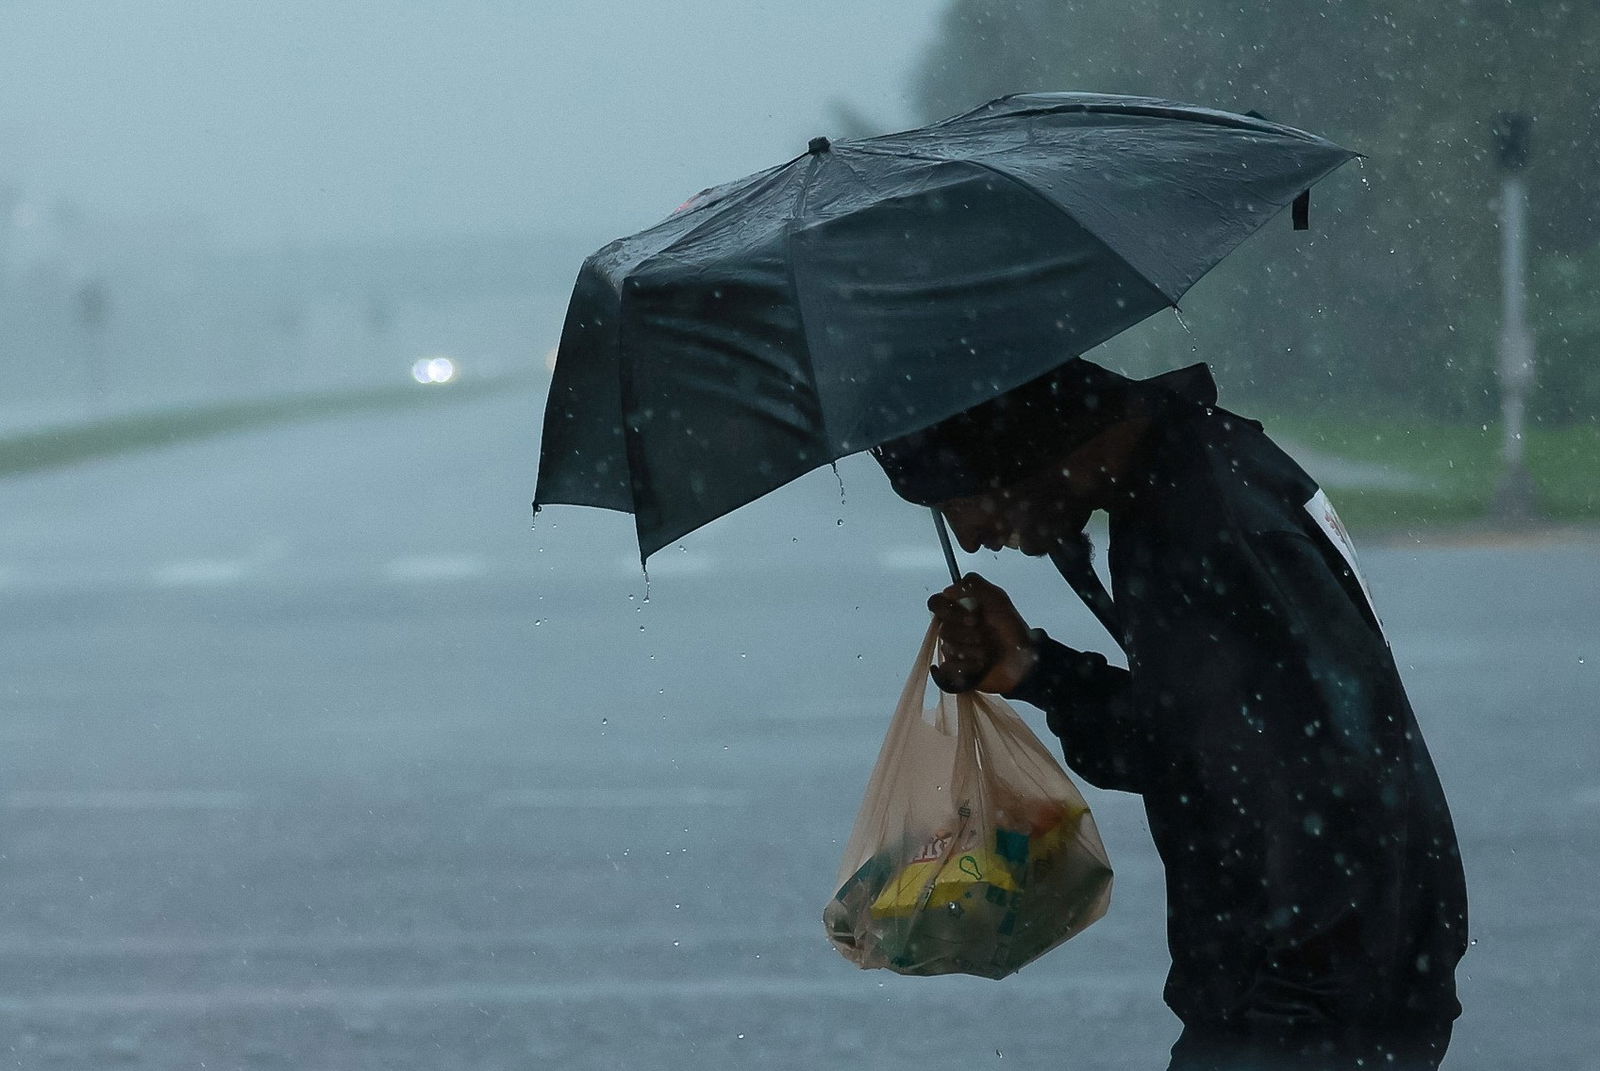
[944, 541]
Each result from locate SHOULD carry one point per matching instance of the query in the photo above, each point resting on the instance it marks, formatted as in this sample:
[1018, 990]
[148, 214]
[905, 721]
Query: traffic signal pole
[1514, 498]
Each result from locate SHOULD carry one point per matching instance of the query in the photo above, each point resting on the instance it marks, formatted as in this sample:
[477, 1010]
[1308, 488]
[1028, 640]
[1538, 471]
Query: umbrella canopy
[870, 288]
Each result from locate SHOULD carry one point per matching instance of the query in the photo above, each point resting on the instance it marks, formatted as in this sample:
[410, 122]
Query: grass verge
[1455, 468]
[55, 447]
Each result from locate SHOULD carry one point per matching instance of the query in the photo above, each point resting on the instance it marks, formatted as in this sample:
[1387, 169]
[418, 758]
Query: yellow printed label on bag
[937, 883]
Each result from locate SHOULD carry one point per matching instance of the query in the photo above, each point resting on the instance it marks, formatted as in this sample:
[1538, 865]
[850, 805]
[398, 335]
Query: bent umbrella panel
[868, 290]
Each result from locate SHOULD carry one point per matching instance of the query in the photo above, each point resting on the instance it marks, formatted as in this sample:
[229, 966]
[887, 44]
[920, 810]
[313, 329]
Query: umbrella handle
[944, 541]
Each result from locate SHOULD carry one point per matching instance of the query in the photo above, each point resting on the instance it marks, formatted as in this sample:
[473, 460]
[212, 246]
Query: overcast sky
[309, 119]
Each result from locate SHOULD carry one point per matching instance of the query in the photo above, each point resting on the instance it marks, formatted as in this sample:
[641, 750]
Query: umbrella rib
[789, 261]
[773, 179]
[916, 154]
[1140, 107]
[860, 181]
[719, 208]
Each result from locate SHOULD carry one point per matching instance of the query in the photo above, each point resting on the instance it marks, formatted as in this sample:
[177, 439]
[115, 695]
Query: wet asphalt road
[314, 756]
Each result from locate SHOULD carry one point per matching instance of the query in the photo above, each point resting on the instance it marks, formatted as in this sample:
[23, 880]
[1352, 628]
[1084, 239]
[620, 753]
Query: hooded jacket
[1315, 895]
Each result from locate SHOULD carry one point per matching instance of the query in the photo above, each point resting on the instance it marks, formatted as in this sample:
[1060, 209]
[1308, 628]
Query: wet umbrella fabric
[870, 288]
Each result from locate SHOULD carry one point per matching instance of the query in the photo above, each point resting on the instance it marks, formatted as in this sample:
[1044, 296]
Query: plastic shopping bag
[973, 853]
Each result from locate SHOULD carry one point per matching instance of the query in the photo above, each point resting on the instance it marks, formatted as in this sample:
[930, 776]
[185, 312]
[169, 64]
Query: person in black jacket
[1315, 898]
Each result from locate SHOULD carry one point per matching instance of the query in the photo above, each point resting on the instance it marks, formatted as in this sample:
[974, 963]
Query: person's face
[1034, 515]
[1038, 514]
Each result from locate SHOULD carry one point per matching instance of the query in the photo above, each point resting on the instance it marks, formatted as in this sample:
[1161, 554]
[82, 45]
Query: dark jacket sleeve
[1085, 702]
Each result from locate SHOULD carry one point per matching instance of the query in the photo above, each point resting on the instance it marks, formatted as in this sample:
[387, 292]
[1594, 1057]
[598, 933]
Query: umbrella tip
[818, 146]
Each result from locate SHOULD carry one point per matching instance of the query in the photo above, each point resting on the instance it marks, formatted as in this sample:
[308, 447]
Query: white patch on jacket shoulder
[1327, 519]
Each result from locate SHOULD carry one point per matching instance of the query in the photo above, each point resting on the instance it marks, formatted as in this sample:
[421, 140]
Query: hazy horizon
[357, 120]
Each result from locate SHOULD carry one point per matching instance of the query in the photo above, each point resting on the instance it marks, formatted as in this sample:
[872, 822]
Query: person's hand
[984, 644]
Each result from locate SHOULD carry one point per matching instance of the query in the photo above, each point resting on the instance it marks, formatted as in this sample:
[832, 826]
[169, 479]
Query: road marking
[201, 572]
[435, 567]
[389, 726]
[127, 800]
[619, 798]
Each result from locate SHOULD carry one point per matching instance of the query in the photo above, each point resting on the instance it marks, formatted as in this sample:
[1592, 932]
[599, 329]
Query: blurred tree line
[1395, 295]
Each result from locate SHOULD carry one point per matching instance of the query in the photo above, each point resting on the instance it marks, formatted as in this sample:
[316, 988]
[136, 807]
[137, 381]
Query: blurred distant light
[434, 370]
[550, 358]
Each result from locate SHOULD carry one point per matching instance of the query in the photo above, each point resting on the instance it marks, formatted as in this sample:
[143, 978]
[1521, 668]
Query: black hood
[1010, 437]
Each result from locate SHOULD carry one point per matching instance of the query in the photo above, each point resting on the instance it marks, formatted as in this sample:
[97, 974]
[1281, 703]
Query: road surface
[316, 755]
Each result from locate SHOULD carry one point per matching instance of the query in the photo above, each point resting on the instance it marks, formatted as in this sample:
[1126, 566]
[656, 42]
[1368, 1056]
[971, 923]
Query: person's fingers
[967, 648]
[984, 593]
[993, 604]
[951, 613]
[954, 594]
[978, 628]
[966, 656]
[964, 643]
[953, 616]
[950, 680]
[967, 669]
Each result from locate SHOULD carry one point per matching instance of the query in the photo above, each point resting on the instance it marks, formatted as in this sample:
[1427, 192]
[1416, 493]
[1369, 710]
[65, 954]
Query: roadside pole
[1514, 495]
[93, 308]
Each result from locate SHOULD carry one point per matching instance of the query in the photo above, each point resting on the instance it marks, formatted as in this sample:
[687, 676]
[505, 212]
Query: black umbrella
[870, 288]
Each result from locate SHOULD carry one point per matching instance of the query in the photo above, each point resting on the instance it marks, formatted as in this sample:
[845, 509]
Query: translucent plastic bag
[974, 853]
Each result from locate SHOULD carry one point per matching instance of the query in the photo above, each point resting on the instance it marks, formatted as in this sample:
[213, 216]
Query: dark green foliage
[1565, 303]
[1396, 289]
